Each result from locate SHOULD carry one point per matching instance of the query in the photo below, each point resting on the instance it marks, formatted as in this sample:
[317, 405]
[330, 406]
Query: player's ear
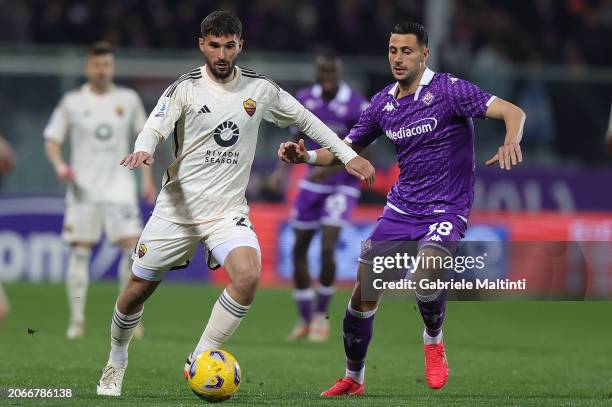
[240, 45]
[201, 43]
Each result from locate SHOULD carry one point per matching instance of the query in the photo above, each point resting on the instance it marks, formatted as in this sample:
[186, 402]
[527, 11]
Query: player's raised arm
[509, 153]
[158, 126]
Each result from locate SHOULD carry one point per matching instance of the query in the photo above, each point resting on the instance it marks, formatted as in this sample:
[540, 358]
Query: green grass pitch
[500, 353]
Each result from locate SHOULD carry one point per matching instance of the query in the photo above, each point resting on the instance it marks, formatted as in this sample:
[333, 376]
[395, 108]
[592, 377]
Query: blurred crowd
[551, 31]
[481, 40]
[546, 30]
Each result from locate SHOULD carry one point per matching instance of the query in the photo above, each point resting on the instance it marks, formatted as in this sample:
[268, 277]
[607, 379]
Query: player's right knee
[364, 306]
[135, 293]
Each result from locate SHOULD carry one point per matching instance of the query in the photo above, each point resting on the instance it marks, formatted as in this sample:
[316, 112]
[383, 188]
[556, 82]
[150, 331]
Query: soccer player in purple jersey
[326, 197]
[428, 117]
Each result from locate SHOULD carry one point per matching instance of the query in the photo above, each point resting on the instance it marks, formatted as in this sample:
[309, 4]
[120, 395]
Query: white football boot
[111, 381]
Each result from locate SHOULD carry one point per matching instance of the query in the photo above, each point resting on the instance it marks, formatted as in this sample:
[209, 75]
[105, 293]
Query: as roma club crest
[119, 110]
[142, 250]
[250, 106]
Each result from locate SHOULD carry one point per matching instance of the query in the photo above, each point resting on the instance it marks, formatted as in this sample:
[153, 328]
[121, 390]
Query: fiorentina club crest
[119, 110]
[250, 106]
[142, 250]
[428, 98]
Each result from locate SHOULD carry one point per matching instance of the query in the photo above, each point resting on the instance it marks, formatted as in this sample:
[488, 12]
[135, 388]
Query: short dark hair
[410, 27]
[100, 48]
[221, 22]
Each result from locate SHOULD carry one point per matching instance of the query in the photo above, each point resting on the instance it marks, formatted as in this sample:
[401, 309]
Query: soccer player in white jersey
[100, 119]
[212, 115]
[7, 162]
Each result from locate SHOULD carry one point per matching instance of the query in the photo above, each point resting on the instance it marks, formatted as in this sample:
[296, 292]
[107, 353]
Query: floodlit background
[553, 58]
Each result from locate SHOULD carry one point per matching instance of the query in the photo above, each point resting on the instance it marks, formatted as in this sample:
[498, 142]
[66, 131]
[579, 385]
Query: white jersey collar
[426, 79]
[342, 96]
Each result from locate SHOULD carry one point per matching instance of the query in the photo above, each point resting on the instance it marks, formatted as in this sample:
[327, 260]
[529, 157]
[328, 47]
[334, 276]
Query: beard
[410, 77]
[220, 74]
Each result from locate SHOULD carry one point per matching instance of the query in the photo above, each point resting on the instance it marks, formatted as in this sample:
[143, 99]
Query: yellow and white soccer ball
[214, 375]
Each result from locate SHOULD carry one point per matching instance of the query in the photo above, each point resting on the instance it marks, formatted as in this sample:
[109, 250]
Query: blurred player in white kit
[7, 162]
[101, 119]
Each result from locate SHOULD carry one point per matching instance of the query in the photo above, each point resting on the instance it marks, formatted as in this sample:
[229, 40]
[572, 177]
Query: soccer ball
[214, 375]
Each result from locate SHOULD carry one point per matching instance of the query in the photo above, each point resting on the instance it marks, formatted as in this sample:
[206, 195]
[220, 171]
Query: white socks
[77, 280]
[224, 319]
[359, 376]
[122, 329]
[431, 340]
[125, 269]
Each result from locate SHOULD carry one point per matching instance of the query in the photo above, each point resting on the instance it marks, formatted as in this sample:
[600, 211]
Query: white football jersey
[214, 130]
[100, 128]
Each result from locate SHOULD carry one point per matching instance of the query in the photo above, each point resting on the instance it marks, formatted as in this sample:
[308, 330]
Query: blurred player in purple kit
[326, 197]
[428, 117]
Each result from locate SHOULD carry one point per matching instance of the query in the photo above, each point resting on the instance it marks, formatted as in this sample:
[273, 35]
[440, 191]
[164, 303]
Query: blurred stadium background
[553, 58]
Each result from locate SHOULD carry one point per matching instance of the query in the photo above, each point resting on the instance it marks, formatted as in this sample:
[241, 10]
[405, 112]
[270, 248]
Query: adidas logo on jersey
[388, 107]
[204, 109]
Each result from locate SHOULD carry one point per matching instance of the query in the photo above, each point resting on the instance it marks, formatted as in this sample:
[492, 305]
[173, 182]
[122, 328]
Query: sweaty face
[100, 69]
[406, 57]
[220, 53]
[328, 76]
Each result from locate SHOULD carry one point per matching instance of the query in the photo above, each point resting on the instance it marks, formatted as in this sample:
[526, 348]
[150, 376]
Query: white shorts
[84, 222]
[166, 245]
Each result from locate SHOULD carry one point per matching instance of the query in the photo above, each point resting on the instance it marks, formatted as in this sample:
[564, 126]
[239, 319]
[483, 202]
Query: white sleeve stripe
[491, 99]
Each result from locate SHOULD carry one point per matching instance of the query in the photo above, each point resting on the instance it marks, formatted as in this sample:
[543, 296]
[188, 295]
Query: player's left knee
[246, 275]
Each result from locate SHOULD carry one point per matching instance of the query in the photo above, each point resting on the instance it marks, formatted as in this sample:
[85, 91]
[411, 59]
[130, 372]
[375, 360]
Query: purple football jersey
[339, 114]
[433, 134]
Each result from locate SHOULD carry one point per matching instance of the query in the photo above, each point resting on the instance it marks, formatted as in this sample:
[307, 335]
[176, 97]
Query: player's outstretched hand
[507, 156]
[65, 173]
[362, 169]
[137, 159]
[293, 153]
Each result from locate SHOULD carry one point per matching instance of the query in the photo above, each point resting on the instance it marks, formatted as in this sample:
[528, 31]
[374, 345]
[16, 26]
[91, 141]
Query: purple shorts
[442, 231]
[321, 204]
